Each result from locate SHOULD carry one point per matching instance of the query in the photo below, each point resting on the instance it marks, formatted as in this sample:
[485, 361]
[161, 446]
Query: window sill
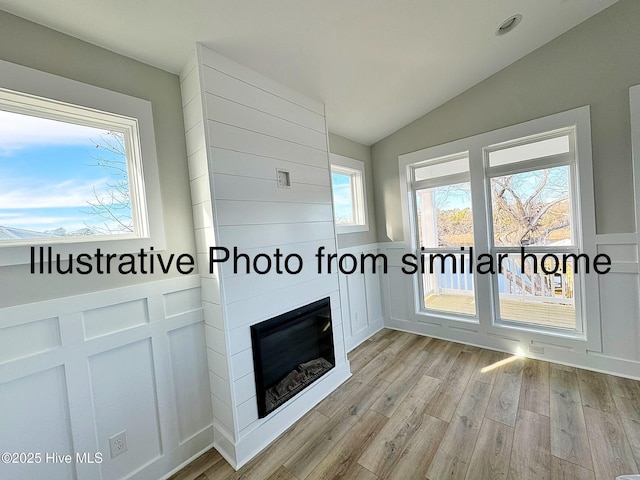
[344, 229]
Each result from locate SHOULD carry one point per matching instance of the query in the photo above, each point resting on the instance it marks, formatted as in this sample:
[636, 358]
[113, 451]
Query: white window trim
[361, 191]
[634, 104]
[475, 145]
[434, 183]
[570, 160]
[59, 89]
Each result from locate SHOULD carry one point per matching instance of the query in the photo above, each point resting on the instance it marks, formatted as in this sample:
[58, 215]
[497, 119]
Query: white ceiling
[376, 64]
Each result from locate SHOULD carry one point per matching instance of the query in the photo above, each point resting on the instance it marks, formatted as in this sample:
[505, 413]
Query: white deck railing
[513, 283]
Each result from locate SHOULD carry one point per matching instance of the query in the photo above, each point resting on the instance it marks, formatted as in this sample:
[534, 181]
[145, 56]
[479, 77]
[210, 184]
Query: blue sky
[343, 202]
[46, 173]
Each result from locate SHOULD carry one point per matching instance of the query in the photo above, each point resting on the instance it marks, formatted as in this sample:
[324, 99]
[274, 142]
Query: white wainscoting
[75, 371]
[360, 296]
[619, 291]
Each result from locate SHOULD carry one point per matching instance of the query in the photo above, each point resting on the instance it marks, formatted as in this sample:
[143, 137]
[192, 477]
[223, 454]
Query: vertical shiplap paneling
[253, 127]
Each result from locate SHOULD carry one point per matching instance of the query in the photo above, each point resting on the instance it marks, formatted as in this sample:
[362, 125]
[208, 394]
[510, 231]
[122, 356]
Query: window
[532, 185]
[444, 224]
[528, 186]
[349, 198]
[67, 172]
[71, 167]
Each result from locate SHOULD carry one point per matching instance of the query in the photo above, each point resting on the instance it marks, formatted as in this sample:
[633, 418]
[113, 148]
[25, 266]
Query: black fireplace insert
[290, 352]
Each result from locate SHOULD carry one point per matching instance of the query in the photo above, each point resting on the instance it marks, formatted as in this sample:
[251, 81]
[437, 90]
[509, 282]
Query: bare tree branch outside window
[113, 203]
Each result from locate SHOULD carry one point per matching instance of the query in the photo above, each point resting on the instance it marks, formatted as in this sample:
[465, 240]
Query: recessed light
[509, 24]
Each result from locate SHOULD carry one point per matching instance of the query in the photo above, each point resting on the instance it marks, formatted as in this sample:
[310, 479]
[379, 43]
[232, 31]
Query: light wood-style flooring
[418, 407]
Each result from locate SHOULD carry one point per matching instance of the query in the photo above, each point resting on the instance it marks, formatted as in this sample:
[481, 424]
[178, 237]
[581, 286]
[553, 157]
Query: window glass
[529, 151]
[528, 294]
[441, 169]
[343, 196]
[532, 208]
[349, 201]
[444, 216]
[60, 179]
[444, 223]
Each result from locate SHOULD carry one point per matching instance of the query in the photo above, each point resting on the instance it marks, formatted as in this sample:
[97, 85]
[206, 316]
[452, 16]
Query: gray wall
[593, 64]
[348, 148]
[32, 45]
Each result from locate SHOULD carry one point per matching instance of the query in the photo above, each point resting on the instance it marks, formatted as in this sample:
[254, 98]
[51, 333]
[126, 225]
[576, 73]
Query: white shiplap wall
[241, 127]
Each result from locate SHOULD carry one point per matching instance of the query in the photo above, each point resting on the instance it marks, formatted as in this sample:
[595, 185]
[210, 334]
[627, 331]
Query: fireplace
[290, 352]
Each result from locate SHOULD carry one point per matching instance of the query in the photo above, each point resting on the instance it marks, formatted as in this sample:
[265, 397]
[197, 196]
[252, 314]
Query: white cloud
[70, 193]
[20, 131]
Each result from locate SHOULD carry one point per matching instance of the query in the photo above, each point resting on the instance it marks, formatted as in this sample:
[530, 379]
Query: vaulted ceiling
[376, 64]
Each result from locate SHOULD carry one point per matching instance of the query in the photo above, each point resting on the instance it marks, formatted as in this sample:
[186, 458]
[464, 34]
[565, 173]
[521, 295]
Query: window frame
[58, 98]
[577, 119]
[568, 159]
[356, 170]
[634, 107]
[418, 250]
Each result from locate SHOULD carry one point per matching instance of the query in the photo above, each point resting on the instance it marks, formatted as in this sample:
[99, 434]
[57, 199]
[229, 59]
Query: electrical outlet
[118, 443]
[284, 178]
[539, 349]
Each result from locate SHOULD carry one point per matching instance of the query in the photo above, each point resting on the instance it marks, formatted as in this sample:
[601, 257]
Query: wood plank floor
[422, 408]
